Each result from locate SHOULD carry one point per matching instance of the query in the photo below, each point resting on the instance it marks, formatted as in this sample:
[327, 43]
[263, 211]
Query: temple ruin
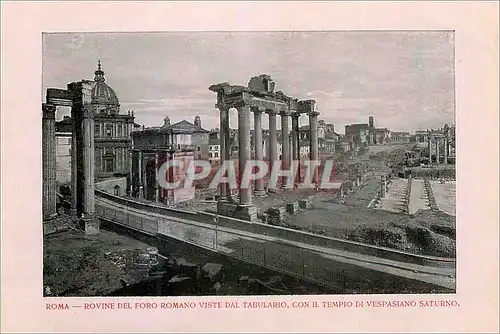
[259, 97]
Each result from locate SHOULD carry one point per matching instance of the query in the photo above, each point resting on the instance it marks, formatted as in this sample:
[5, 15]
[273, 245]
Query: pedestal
[90, 225]
[237, 211]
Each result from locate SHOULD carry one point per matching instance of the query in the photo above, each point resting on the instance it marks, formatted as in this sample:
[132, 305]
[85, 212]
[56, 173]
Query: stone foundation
[236, 211]
[304, 204]
[292, 208]
[91, 225]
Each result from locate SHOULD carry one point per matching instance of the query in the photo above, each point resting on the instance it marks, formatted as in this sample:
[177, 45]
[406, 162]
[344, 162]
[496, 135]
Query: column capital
[285, 113]
[313, 113]
[271, 112]
[257, 110]
[295, 115]
[49, 111]
[222, 107]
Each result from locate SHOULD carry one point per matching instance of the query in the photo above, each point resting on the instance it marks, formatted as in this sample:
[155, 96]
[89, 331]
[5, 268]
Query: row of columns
[82, 155]
[141, 175]
[437, 142]
[244, 151]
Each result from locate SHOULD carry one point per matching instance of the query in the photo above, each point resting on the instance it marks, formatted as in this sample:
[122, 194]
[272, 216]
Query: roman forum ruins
[259, 97]
[78, 97]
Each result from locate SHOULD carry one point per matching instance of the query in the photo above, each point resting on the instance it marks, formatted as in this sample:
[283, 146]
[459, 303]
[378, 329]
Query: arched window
[109, 130]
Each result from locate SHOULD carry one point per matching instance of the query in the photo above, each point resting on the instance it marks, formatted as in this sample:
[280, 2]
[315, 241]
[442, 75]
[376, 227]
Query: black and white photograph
[248, 163]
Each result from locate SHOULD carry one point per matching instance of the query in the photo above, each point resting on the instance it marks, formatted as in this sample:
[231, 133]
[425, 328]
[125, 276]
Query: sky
[405, 80]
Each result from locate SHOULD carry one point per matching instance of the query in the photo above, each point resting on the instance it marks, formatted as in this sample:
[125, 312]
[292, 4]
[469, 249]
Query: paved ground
[445, 196]
[418, 197]
[394, 200]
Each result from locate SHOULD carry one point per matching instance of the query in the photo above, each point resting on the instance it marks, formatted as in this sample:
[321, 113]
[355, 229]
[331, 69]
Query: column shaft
[313, 128]
[88, 161]
[140, 175]
[130, 172]
[49, 161]
[157, 187]
[429, 146]
[285, 140]
[437, 150]
[273, 140]
[259, 154]
[244, 152]
[295, 133]
[75, 162]
[223, 147]
[445, 153]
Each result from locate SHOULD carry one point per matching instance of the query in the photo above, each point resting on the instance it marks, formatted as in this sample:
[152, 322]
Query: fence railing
[302, 262]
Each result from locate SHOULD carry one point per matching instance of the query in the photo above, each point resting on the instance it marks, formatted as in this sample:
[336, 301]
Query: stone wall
[283, 233]
[110, 186]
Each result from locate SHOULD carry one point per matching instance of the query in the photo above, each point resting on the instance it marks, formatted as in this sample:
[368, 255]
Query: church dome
[101, 92]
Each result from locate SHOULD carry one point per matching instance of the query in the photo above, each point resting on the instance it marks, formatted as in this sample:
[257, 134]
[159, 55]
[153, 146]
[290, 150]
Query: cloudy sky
[404, 79]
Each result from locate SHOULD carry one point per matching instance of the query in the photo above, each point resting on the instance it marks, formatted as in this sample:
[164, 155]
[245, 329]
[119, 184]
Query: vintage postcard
[230, 167]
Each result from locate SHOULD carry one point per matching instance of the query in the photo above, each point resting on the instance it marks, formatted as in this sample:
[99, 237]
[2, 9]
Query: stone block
[292, 208]
[91, 225]
[304, 204]
[236, 211]
[277, 211]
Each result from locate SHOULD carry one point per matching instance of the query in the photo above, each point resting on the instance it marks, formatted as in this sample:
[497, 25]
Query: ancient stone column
[224, 146]
[157, 186]
[49, 161]
[130, 172]
[429, 146]
[244, 151]
[140, 175]
[75, 162]
[259, 154]
[83, 164]
[88, 160]
[383, 186]
[313, 131]
[437, 150]
[445, 152]
[285, 116]
[295, 133]
[273, 139]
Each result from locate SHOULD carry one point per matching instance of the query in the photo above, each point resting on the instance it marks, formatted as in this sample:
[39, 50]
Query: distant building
[154, 146]
[358, 134]
[382, 135]
[214, 150]
[397, 136]
[182, 135]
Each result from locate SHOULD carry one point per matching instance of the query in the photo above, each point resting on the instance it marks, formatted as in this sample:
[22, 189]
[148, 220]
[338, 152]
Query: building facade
[112, 142]
[112, 130]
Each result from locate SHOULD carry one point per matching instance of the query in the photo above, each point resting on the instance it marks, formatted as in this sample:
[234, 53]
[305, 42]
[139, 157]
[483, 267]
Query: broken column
[49, 161]
[383, 186]
[259, 156]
